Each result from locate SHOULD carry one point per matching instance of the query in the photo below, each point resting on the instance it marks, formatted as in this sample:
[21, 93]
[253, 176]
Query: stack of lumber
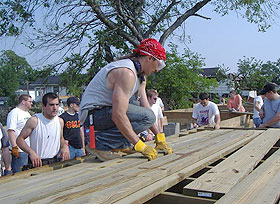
[133, 179]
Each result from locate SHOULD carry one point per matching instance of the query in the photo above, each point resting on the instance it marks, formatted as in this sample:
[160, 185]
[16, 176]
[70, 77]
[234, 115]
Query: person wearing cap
[45, 131]
[116, 120]
[235, 102]
[72, 131]
[258, 103]
[270, 111]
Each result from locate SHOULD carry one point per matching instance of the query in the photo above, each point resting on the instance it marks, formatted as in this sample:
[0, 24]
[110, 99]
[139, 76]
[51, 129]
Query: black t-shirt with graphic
[71, 129]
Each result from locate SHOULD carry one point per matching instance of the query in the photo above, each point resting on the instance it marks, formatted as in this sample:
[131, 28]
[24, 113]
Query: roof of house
[51, 80]
[209, 72]
[48, 80]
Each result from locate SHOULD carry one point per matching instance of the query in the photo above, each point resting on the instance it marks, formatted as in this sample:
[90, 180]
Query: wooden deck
[232, 156]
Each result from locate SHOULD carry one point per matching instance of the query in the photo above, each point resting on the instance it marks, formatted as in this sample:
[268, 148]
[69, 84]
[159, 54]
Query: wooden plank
[147, 193]
[219, 181]
[169, 198]
[111, 187]
[261, 186]
[186, 116]
[47, 168]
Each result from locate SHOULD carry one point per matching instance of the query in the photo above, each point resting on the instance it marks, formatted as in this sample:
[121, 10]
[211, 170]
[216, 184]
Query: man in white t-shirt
[15, 122]
[152, 98]
[258, 103]
[45, 131]
[206, 112]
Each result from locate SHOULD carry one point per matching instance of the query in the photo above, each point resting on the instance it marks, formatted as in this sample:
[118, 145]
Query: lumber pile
[133, 179]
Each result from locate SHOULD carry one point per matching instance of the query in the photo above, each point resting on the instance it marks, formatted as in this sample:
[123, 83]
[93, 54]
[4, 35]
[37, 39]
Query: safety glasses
[161, 62]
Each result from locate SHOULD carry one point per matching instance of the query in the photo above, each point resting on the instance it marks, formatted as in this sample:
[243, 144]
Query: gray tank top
[98, 94]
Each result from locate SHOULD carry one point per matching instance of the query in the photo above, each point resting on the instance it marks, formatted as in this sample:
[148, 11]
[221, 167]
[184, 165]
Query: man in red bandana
[110, 100]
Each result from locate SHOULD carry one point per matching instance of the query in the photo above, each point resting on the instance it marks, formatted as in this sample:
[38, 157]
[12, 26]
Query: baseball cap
[73, 99]
[262, 92]
[269, 87]
[151, 47]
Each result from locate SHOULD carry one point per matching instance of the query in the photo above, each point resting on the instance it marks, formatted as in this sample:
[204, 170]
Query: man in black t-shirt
[72, 132]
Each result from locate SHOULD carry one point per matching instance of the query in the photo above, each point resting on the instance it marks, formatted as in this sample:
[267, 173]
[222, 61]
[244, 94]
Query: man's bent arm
[26, 132]
[272, 121]
[64, 149]
[12, 137]
[217, 121]
[122, 84]
[144, 103]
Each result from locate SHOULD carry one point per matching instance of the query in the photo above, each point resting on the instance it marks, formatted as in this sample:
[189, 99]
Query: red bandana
[151, 47]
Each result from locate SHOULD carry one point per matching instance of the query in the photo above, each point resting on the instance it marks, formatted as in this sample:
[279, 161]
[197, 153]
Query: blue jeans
[109, 137]
[19, 162]
[74, 152]
[257, 122]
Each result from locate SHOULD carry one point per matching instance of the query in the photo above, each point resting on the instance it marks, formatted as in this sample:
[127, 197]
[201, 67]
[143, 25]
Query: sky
[221, 40]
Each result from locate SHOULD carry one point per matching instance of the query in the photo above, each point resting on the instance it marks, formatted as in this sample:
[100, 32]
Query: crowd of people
[116, 111]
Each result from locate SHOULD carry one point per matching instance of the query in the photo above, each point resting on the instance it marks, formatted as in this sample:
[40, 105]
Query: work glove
[15, 151]
[161, 144]
[146, 150]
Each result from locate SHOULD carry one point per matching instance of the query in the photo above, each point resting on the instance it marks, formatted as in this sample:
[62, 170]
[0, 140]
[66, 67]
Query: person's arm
[229, 104]
[217, 121]
[122, 80]
[239, 102]
[195, 116]
[194, 121]
[82, 134]
[12, 137]
[6, 158]
[144, 102]
[26, 132]
[257, 106]
[272, 121]
[64, 149]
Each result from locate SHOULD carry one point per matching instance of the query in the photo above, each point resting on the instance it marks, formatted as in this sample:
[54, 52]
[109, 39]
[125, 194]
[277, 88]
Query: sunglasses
[161, 62]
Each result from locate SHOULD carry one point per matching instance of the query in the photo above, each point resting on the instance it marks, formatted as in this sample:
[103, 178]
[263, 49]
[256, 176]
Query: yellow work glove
[146, 150]
[161, 144]
[15, 151]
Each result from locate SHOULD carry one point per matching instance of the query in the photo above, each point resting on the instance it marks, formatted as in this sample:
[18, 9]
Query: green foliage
[72, 78]
[15, 71]
[252, 74]
[179, 82]
[11, 67]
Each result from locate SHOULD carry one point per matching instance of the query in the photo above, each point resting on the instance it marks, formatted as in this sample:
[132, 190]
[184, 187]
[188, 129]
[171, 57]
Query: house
[41, 86]
[222, 88]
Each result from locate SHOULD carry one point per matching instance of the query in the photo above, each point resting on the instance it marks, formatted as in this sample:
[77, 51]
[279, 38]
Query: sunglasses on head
[161, 62]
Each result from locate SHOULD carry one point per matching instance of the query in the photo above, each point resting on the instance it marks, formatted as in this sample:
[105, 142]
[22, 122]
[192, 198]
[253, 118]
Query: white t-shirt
[159, 102]
[16, 120]
[205, 115]
[260, 100]
[45, 138]
[158, 113]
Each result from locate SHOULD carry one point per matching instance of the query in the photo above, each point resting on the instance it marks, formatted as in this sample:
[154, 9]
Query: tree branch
[157, 21]
[181, 19]
[126, 21]
[96, 8]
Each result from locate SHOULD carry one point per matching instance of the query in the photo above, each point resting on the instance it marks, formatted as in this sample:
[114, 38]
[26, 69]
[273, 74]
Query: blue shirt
[271, 108]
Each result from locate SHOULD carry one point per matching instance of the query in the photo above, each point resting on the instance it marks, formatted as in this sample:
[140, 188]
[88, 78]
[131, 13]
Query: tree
[181, 81]
[252, 74]
[12, 71]
[15, 71]
[108, 28]
[72, 77]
